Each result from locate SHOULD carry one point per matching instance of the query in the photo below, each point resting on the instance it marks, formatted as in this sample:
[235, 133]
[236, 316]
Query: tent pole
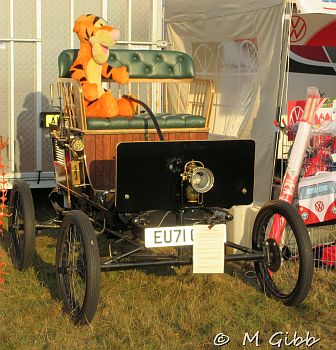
[282, 80]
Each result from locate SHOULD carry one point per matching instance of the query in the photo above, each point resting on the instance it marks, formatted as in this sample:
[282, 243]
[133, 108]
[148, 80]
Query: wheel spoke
[288, 273]
[17, 228]
[22, 225]
[285, 279]
[78, 272]
[74, 264]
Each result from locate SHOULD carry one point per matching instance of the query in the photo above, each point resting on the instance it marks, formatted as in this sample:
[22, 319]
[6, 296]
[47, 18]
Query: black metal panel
[145, 182]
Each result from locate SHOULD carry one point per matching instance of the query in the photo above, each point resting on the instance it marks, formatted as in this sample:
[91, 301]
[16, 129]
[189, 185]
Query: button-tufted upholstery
[150, 64]
[143, 121]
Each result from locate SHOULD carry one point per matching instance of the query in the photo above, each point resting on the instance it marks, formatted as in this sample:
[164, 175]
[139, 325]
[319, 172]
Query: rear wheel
[288, 273]
[21, 226]
[78, 267]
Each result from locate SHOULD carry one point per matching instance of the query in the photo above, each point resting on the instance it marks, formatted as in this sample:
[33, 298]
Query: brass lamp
[199, 180]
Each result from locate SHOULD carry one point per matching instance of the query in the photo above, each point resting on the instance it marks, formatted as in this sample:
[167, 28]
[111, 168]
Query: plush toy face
[95, 30]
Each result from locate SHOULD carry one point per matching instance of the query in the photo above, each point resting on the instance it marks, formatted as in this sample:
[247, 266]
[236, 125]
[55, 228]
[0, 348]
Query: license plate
[168, 236]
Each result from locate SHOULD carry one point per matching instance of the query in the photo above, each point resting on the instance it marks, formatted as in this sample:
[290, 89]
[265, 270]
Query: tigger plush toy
[95, 37]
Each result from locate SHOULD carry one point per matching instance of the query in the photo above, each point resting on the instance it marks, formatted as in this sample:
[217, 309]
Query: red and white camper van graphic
[313, 41]
[317, 198]
[325, 111]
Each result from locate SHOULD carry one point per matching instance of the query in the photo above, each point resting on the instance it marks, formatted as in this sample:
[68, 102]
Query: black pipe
[151, 114]
[155, 263]
[246, 257]
[125, 255]
[240, 247]
[156, 256]
[141, 264]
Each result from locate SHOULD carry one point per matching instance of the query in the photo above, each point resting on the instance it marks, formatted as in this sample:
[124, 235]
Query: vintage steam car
[152, 181]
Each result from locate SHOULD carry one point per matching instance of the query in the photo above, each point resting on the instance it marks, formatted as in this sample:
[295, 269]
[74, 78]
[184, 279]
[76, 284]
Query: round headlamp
[202, 180]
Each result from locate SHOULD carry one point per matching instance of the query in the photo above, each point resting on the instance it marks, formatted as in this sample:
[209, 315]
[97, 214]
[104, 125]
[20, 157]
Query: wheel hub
[273, 254]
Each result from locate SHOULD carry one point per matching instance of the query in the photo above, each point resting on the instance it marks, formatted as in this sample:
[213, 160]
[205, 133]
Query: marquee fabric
[237, 44]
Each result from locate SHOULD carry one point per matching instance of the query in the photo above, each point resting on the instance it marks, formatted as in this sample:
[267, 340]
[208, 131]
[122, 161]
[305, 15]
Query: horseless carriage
[146, 182]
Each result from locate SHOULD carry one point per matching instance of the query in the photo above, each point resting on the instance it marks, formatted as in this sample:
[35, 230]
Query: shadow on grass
[244, 271]
[45, 271]
[159, 271]
[46, 274]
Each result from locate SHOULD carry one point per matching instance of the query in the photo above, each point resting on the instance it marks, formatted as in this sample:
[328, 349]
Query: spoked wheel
[21, 226]
[287, 274]
[78, 267]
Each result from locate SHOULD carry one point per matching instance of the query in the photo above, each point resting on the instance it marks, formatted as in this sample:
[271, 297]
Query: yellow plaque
[51, 119]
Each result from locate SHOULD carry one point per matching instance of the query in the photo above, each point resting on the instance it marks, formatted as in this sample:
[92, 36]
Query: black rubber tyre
[290, 276]
[21, 226]
[78, 267]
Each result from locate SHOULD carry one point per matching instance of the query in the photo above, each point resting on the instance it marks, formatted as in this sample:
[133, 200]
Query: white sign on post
[208, 248]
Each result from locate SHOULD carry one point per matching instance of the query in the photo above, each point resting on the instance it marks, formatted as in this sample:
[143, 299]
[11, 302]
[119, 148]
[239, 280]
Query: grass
[157, 309]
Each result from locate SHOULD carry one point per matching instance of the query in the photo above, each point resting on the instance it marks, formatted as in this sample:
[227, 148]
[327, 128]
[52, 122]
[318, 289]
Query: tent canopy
[189, 10]
[238, 45]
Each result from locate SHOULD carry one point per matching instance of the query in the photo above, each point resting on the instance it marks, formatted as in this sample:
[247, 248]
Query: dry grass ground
[157, 309]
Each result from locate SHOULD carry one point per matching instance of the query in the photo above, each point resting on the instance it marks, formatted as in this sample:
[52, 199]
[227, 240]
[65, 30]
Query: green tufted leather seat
[142, 64]
[143, 121]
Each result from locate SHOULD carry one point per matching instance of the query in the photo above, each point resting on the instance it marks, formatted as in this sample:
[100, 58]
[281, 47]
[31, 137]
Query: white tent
[238, 44]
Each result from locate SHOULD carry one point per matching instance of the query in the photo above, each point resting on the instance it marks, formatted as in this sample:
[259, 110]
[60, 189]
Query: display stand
[315, 195]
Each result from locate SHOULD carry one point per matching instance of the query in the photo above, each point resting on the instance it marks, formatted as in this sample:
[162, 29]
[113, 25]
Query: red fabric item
[329, 255]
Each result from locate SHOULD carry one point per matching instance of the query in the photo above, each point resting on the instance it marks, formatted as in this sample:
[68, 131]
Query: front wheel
[21, 226]
[78, 267]
[288, 271]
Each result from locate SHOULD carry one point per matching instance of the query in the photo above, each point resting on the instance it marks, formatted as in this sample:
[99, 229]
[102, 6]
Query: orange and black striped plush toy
[95, 37]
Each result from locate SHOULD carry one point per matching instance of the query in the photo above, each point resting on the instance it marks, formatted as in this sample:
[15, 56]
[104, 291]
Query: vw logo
[319, 206]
